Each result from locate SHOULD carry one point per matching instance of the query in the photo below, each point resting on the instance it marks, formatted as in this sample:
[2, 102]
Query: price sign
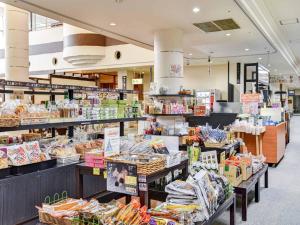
[122, 178]
[96, 171]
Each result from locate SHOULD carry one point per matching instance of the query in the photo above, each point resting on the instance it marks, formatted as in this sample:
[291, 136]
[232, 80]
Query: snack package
[17, 155]
[3, 158]
[33, 151]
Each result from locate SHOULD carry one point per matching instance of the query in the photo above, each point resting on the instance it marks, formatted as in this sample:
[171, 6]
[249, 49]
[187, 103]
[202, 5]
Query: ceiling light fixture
[247, 49]
[190, 54]
[113, 24]
[260, 58]
[196, 9]
[228, 34]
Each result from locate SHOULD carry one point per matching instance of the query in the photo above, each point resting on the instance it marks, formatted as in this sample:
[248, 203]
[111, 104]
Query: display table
[230, 204]
[274, 143]
[246, 186]
[82, 170]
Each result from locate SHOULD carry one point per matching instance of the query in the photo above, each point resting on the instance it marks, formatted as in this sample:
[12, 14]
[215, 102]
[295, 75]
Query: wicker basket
[144, 168]
[214, 145]
[9, 121]
[48, 219]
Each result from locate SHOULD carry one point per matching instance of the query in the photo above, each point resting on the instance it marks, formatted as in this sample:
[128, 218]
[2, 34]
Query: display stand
[143, 180]
[230, 204]
[246, 186]
[258, 141]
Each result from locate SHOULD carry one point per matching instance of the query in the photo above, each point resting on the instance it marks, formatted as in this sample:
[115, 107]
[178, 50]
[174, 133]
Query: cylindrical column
[168, 61]
[82, 47]
[16, 44]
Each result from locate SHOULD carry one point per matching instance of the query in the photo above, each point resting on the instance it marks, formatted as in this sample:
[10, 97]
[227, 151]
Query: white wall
[196, 77]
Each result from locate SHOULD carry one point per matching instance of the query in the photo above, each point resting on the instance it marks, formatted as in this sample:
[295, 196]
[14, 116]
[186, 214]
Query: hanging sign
[122, 178]
[111, 141]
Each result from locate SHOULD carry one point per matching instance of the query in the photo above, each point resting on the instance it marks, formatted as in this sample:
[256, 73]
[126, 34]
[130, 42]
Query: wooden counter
[274, 142]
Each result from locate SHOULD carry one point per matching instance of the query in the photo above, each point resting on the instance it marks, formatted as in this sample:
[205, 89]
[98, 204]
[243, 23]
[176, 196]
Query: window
[38, 22]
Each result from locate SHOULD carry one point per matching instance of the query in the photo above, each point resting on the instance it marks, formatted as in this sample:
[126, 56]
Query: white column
[121, 74]
[16, 43]
[168, 61]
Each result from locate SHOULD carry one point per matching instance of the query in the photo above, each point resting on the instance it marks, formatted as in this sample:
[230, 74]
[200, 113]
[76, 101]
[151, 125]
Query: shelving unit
[183, 114]
[172, 95]
[68, 124]
[49, 89]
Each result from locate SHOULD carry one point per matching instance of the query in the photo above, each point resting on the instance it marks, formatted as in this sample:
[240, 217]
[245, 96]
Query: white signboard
[111, 141]
[137, 81]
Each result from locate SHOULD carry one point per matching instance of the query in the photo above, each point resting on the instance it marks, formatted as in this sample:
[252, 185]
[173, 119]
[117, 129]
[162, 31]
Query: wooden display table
[246, 186]
[82, 170]
[274, 143]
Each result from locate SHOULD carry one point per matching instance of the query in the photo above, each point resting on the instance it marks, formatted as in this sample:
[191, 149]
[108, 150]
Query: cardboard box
[246, 170]
[232, 173]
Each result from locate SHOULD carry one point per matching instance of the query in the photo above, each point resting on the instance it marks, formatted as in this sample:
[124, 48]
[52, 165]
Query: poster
[111, 141]
[122, 178]
[176, 70]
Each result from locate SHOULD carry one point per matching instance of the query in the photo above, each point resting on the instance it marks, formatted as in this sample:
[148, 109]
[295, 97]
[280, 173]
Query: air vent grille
[207, 27]
[217, 25]
[227, 24]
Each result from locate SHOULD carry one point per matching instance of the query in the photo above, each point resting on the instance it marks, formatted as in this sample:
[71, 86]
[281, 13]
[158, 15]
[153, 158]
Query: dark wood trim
[84, 40]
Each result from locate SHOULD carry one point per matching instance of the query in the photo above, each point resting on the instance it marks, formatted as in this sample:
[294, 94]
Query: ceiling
[137, 20]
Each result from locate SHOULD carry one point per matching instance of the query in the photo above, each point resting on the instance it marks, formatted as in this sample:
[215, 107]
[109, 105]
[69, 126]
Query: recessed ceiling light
[247, 49]
[260, 58]
[113, 24]
[196, 9]
[190, 54]
[228, 34]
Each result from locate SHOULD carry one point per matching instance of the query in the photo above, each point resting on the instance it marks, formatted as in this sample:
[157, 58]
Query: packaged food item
[17, 155]
[33, 151]
[3, 158]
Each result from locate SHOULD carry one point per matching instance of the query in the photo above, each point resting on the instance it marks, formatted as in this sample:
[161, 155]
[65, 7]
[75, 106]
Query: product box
[246, 170]
[95, 160]
[232, 173]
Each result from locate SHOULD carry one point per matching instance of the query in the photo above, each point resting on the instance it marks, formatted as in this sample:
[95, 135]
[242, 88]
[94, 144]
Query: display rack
[68, 124]
[180, 114]
[82, 170]
[172, 95]
[71, 89]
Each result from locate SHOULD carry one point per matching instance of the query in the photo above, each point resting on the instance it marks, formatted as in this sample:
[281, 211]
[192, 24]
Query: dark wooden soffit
[89, 40]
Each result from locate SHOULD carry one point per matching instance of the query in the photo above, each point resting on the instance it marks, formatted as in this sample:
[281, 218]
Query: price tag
[96, 171]
[143, 187]
[142, 178]
[130, 180]
[105, 174]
